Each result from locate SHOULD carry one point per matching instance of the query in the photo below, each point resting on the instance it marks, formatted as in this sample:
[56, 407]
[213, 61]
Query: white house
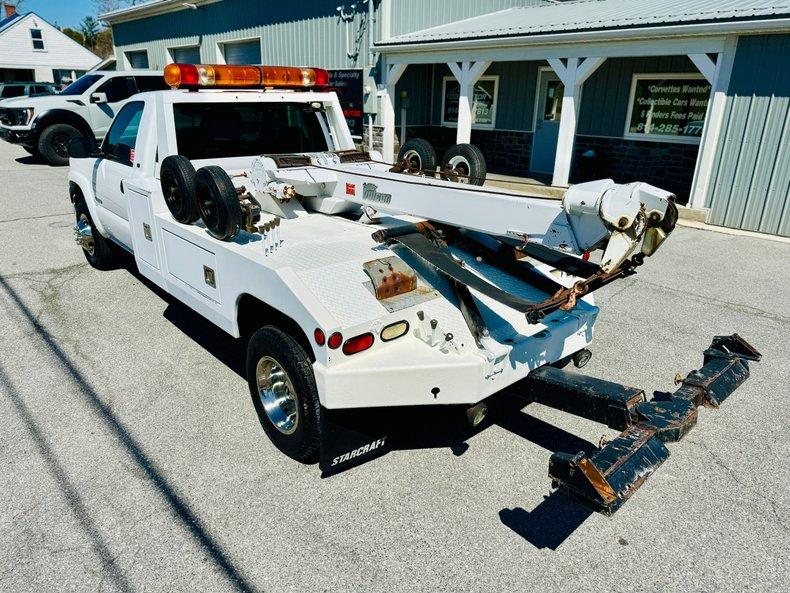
[33, 50]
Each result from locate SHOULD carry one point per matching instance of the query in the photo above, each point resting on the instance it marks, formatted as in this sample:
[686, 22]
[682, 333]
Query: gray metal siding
[604, 105]
[750, 184]
[303, 33]
[415, 15]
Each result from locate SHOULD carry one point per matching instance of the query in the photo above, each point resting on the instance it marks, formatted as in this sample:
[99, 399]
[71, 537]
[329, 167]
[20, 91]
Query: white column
[718, 75]
[573, 73]
[393, 74]
[467, 74]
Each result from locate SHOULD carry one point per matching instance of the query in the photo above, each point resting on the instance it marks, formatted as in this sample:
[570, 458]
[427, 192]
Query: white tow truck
[363, 284]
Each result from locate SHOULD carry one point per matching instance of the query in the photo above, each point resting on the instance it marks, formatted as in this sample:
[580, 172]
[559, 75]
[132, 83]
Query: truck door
[117, 90]
[115, 167]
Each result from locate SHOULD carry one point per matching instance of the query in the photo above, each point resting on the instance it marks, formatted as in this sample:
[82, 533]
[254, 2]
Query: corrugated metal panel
[303, 33]
[415, 15]
[595, 15]
[750, 187]
[604, 105]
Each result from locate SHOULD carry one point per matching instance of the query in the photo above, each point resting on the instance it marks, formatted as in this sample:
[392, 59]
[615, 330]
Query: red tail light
[358, 343]
[335, 340]
[319, 336]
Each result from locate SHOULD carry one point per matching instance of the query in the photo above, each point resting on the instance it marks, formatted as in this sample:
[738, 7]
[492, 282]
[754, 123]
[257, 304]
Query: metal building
[691, 95]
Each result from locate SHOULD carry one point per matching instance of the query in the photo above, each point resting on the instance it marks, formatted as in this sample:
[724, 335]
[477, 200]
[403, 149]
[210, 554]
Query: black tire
[304, 440]
[419, 153]
[217, 203]
[104, 255]
[466, 161]
[177, 176]
[53, 143]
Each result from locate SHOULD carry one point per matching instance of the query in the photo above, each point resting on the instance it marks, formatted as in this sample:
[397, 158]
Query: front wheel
[53, 144]
[99, 251]
[282, 386]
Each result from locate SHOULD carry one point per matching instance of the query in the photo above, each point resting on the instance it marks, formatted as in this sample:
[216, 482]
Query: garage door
[247, 52]
[186, 55]
[138, 59]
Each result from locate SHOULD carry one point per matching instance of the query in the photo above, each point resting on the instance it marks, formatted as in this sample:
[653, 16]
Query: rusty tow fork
[607, 478]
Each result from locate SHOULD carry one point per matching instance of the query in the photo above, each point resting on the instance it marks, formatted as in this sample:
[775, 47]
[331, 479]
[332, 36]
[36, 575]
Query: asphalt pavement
[131, 458]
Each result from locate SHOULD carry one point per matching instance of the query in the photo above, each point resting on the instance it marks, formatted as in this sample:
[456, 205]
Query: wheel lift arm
[605, 480]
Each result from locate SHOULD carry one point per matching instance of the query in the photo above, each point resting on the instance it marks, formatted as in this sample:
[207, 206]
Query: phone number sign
[668, 107]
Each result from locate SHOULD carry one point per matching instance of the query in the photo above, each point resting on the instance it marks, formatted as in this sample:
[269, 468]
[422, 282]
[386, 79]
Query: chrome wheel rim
[85, 234]
[277, 395]
[461, 167]
[413, 158]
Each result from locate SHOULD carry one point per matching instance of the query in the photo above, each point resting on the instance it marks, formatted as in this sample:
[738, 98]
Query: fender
[78, 180]
[61, 116]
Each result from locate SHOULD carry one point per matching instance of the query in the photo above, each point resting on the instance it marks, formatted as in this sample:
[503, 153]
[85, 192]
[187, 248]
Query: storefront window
[483, 103]
[668, 107]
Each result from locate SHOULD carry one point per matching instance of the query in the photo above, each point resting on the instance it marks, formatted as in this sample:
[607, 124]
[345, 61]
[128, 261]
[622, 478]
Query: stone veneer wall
[669, 166]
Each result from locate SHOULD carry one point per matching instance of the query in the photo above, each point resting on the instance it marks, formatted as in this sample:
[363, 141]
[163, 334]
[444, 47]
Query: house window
[667, 107]
[483, 103]
[38, 39]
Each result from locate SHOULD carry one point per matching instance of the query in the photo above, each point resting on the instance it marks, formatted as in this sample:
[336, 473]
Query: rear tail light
[335, 340]
[319, 336]
[358, 343]
[394, 330]
[191, 76]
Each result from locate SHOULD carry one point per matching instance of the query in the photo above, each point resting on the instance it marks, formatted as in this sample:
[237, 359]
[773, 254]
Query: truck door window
[118, 88]
[222, 130]
[120, 140]
[151, 83]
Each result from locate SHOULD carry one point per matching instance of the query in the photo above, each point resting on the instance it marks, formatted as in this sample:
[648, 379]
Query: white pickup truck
[360, 284]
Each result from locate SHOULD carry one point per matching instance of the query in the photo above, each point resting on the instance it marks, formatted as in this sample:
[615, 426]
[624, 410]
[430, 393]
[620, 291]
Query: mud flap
[350, 438]
[606, 479]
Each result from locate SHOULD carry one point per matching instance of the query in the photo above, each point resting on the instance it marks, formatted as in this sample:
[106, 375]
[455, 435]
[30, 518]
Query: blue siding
[750, 184]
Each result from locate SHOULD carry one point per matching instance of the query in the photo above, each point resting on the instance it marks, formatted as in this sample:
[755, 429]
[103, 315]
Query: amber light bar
[194, 76]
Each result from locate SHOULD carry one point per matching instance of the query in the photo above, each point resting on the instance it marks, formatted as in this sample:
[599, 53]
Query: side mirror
[83, 148]
[98, 97]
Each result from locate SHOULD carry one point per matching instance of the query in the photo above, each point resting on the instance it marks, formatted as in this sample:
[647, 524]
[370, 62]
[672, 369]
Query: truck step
[608, 477]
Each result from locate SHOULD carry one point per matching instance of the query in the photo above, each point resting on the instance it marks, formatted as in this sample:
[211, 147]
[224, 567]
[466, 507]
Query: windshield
[223, 130]
[82, 84]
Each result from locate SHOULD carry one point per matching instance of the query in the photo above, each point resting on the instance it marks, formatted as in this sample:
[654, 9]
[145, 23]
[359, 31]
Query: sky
[66, 13]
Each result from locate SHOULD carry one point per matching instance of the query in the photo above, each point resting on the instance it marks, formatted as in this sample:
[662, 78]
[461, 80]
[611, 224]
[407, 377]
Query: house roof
[148, 9]
[596, 15]
[7, 21]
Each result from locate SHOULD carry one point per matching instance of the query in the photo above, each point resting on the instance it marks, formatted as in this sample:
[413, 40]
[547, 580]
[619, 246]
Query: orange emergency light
[194, 76]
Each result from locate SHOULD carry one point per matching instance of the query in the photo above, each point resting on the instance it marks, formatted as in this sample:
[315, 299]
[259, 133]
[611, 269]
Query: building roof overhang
[149, 9]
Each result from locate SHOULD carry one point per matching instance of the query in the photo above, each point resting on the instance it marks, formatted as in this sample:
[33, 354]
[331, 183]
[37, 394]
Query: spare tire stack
[207, 193]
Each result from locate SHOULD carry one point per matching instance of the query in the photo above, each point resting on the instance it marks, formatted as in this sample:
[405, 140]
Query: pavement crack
[25, 218]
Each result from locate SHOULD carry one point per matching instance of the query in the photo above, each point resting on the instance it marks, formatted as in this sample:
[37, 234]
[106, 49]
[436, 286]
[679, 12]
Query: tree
[104, 47]
[75, 35]
[89, 27]
[103, 6]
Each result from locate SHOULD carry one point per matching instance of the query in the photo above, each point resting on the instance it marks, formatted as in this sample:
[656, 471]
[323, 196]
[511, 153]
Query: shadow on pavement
[548, 524]
[178, 505]
[73, 499]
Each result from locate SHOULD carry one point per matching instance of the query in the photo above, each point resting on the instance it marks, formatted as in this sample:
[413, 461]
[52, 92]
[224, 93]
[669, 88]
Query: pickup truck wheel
[282, 386]
[419, 154]
[467, 162]
[177, 176]
[217, 203]
[100, 252]
[53, 144]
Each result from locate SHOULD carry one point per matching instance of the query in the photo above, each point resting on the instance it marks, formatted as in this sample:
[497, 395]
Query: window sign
[669, 107]
[483, 103]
